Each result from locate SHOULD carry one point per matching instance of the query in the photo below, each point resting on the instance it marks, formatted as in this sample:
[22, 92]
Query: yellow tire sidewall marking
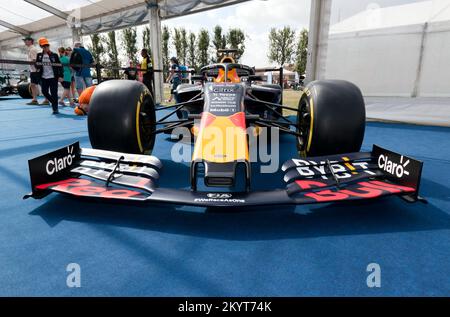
[311, 126]
[138, 132]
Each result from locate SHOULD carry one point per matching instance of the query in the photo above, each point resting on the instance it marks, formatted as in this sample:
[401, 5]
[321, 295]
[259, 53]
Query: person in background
[83, 77]
[174, 78]
[67, 77]
[146, 65]
[34, 74]
[130, 72]
[84, 101]
[50, 75]
[72, 72]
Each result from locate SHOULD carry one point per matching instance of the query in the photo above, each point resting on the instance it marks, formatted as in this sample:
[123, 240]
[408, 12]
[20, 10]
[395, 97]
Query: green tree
[96, 48]
[236, 40]
[146, 38]
[192, 60]
[129, 37]
[184, 47]
[165, 50]
[281, 45]
[202, 47]
[302, 53]
[219, 40]
[178, 43]
[113, 55]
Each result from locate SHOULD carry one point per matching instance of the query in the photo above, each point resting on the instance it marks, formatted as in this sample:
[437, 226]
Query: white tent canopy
[399, 51]
[90, 16]
[395, 16]
[399, 57]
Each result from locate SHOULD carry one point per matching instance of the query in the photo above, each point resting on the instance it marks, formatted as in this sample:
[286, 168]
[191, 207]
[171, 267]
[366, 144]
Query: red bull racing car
[220, 109]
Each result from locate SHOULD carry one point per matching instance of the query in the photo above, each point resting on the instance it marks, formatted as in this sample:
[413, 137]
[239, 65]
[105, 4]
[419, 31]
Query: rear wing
[106, 175]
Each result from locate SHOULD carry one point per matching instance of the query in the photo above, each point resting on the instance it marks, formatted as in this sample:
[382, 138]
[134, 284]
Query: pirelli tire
[24, 91]
[331, 118]
[122, 117]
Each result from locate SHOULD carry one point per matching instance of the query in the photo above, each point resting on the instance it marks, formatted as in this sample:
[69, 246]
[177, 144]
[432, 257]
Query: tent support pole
[155, 40]
[416, 91]
[319, 27]
[76, 35]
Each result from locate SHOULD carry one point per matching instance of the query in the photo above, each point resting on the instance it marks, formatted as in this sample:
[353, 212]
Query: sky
[257, 17]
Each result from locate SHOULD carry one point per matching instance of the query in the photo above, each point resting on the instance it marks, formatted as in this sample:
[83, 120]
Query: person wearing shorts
[72, 72]
[67, 77]
[83, 77]
[35, 76]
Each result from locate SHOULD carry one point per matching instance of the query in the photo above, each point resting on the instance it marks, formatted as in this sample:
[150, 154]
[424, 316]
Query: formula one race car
[220, 110]
[22, 87]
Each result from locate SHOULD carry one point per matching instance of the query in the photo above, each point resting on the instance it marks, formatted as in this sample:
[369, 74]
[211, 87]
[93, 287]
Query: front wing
[106, 175]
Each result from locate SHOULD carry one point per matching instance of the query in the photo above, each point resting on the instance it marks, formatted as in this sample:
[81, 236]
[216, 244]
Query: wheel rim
[304, 124]
[146, 123]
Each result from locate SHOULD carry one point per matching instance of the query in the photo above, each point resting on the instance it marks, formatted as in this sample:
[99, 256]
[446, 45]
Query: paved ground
[426, 111]
[157, 250]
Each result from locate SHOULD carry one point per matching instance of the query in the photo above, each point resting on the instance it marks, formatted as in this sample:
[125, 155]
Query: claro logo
[58, 164]
[396, 169]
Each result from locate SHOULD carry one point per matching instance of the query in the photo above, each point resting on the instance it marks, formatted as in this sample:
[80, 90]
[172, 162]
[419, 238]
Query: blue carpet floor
[183, 251]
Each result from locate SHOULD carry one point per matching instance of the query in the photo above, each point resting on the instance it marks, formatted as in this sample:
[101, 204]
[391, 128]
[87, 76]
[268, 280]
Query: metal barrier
[98, 69]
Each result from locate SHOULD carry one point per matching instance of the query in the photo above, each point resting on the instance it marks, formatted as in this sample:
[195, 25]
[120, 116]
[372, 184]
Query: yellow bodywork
[221, 139]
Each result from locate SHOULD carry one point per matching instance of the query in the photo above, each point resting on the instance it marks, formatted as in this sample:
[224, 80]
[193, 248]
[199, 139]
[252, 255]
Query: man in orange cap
[50, 73]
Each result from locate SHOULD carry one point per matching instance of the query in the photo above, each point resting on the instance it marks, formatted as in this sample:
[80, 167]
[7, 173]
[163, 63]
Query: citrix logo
[223, 89]
[58, 164]
[396, 169]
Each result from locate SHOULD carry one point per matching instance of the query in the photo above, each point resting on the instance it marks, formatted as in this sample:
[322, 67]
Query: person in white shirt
[34, 74]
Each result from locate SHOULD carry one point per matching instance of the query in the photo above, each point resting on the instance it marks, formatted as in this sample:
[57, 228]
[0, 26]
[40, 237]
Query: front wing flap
[99, 174]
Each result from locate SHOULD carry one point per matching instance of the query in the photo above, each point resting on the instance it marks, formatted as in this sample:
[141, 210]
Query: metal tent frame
[93, 18]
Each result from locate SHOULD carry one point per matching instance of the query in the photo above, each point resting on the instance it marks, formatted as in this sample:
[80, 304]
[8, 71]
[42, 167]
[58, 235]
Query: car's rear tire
[331, 118]
[24, 91]
[122, 117]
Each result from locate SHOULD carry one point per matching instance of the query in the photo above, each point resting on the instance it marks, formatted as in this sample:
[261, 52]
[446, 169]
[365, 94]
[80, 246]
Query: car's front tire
[331, 118]
[122, 117]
